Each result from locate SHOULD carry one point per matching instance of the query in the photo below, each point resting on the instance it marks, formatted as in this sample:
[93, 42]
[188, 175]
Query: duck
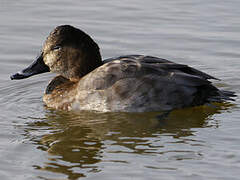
[129, 83]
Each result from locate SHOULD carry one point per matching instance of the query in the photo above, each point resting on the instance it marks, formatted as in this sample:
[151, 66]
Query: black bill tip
[17, 76]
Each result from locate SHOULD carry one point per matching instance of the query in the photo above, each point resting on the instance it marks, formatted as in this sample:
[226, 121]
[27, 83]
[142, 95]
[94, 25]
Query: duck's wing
[165, 64]
[135, 83]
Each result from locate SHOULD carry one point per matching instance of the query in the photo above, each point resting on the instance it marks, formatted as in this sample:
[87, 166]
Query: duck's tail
[209, 93]
[222, 95]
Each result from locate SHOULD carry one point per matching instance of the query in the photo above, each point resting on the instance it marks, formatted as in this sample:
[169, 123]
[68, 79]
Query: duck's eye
[56, 48]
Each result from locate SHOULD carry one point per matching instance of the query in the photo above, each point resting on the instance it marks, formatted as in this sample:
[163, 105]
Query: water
[194, 143]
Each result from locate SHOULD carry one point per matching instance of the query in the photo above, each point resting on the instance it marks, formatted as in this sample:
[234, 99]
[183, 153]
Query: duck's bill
[37, 67]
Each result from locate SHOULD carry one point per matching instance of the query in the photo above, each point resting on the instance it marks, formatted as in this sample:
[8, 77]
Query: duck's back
[138, 83]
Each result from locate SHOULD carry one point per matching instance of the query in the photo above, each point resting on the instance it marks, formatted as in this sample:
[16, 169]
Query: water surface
[193, 143]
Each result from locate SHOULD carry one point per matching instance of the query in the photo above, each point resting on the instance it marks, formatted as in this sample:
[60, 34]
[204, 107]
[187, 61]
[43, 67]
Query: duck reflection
[76, 142]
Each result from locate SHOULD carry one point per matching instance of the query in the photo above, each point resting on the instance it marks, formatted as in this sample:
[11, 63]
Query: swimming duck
[132, 83]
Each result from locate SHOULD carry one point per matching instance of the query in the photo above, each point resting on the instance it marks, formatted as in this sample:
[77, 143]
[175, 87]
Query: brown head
[67, 51]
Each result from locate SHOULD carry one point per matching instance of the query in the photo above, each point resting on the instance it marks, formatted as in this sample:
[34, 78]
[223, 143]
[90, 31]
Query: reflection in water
[75, 142]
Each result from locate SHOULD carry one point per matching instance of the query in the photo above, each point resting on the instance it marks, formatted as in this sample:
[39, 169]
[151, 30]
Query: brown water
[194, 143]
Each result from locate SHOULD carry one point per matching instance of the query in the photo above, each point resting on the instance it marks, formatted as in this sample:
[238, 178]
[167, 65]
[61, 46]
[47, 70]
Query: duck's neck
[90, 62]
[81, 62]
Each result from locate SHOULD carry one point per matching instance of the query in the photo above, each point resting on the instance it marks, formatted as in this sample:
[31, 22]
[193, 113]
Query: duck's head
[67, 51]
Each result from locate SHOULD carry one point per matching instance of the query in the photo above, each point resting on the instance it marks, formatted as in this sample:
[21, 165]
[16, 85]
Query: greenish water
[193, 143]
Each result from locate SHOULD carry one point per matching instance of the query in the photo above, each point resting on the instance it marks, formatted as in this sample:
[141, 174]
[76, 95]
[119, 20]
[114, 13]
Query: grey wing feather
[168, 65]
[152, 83]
